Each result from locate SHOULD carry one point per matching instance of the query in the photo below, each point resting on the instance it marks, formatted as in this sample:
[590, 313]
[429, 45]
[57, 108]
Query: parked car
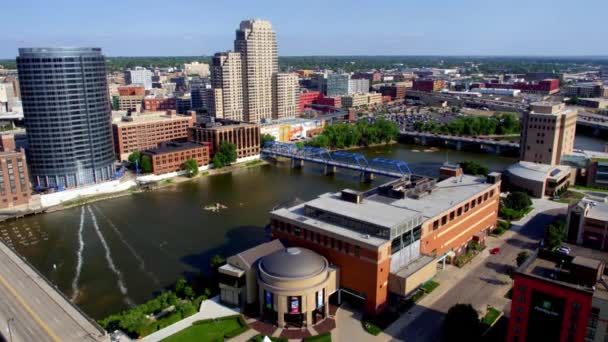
[563, 250]
[495, 250]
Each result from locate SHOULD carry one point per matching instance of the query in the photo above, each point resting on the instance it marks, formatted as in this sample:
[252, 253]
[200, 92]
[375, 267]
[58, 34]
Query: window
[459, 211]
[466, 207]
[452, 214]
[491, 193]
[435, 224]
[444, 220]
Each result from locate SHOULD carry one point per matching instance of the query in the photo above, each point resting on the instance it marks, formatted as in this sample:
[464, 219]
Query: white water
[140, 260]
[75, 291]
[120, 281]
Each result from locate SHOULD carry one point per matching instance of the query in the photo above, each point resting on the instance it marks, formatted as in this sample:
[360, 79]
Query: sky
[311, 27]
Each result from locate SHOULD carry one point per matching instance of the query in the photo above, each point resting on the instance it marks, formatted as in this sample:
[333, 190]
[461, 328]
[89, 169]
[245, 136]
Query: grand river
[115, 253]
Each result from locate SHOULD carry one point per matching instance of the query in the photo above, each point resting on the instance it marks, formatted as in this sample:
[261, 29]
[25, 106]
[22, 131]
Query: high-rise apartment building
[67, 115]
[285, 95]
[139, 75]
[358, 86]
[227, 86]
[548, 131]
[244, 82]
[256, 42]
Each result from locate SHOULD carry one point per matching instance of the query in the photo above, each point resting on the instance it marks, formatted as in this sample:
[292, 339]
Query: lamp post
[8, 327]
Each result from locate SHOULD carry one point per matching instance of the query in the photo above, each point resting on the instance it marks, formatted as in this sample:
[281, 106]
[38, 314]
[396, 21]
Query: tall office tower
[140, 76]
[256, 42]
[285, 95]
[226, 97]
[198, 93]
[336, 85]
[67, 115]
[548, 131]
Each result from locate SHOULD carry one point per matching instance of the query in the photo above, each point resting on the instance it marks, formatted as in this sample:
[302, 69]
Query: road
[34, 310]
[479, 283]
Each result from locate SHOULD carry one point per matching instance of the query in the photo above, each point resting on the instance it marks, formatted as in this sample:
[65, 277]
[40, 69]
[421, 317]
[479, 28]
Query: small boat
[215, 207]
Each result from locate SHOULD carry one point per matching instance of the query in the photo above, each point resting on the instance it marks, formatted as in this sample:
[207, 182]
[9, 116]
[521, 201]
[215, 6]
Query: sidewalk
[539, 205]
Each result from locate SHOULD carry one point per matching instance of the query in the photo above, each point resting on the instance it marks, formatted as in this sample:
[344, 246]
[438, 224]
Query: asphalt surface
[483, 283]
[34, 310]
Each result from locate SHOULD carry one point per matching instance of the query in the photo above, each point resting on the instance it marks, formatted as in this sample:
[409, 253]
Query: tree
[180, 285]
[555, 234]
[518, 201]
[191, 166]
[146, 164]
[521, 258]
[225, 156]
[135, 157]
[474, 168]
[461, 324]
[264, 138]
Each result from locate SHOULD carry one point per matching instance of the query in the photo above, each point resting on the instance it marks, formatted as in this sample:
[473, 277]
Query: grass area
[430, 286]
[570, 197]
[211, 330]
[168, 181]
[589, 188]
[260, 337]
[205, 173]
[254, 162]
[491, 316]
[371, 328]
[324, 337]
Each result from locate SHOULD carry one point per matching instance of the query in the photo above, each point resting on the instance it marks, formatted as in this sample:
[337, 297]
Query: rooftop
[122, 118]
[598, 211]
[173, 147]
[537, 172]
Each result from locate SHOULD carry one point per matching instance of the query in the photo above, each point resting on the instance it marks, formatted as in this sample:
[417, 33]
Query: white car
[563, 250]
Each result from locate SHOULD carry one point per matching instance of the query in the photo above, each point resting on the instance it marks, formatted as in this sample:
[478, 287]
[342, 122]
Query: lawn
[570, 197]
[590, 188]
[325, 337]
[430, 286]
[210, 330]
[490, 317]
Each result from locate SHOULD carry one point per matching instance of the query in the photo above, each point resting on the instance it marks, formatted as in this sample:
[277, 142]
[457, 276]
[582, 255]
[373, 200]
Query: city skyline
[541, 28]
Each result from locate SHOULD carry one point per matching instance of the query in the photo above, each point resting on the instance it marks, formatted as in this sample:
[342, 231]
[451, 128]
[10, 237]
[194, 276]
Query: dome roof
[293, 262]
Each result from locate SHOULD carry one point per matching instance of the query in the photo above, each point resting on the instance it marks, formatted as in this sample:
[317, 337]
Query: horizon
[191, 28]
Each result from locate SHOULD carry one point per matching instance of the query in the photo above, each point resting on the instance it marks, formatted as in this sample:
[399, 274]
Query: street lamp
[8, 326]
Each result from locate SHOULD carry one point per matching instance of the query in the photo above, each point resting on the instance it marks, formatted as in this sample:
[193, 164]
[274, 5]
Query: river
[114, 253]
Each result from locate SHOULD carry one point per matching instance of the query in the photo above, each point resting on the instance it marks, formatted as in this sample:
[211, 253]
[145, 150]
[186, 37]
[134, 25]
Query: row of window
[464, 208]
[318, 238]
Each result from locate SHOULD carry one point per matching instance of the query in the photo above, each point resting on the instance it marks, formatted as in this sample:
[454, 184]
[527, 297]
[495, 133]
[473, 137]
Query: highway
[33, 310]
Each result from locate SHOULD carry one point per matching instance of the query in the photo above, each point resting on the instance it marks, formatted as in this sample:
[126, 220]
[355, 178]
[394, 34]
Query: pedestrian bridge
[337, 160]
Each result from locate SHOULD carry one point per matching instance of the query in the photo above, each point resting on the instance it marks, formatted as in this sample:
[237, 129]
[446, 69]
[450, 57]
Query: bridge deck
[36, 310]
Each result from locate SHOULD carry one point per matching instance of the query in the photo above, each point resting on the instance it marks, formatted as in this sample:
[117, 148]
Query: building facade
[361, 100]
[358, 86]
[138, 132]
[394, 91]
[226, 96]
[139, 76]
[155, 104]
[587, 224]
[132, 90]
[548, 133]
[69, 133]
[245, 136]
[256, 42]
[428, 85]
[196, 68]
[14, 178]
[131, 102]
[171, 156]
[587, 90]
[285, 95]
[307, 98]
[336, 84]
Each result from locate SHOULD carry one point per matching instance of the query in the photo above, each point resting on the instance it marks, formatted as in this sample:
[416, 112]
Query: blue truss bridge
[332, 161]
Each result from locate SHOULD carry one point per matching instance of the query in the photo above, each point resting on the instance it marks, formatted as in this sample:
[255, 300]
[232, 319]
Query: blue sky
[312, 27]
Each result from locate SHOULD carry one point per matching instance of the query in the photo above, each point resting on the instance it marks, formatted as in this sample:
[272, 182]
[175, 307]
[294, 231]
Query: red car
[495, 250]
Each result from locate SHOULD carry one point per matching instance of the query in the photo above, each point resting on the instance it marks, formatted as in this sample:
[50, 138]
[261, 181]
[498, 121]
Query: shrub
[430, 286]
[167, 321]
[521, 258]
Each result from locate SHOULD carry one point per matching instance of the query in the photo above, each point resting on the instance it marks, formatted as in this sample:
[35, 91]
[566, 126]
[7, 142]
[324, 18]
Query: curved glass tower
[67, 115]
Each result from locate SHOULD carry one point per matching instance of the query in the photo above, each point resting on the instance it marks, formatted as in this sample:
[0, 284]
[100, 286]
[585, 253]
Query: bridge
[497, 146]
[331, 161]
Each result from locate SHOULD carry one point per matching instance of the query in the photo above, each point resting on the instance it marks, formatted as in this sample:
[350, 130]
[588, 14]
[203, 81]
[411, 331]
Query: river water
[114, 253]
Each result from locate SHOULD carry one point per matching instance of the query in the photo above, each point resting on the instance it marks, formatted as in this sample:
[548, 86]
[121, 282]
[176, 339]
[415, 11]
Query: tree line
[362, 133]
[500, 123]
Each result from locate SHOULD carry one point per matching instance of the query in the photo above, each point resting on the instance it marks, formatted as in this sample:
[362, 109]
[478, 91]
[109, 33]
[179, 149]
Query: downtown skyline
[473, 28]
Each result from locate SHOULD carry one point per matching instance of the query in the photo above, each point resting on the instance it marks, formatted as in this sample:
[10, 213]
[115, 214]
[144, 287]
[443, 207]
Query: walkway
[210, 308]
[34, 310]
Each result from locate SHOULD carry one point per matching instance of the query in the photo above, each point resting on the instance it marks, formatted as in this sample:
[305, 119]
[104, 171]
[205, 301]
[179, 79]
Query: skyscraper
[256, 42]
[67, 115]
[227, 84]
[285, 95]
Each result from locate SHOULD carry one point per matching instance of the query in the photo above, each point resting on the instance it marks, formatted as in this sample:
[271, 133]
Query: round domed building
[294, 284]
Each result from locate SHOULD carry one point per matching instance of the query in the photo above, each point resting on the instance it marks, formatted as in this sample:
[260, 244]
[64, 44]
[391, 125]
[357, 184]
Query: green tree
[191, 166]
[474, 168]
[461, 324]
[146, 164]
[521, 258]
[216, 262]
[555, 234]
[225, 155]
[135, 157]
[180, 285]
[264, 138]
[518, 201]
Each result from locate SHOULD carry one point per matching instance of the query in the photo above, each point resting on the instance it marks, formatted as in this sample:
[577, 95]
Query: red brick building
[245, 136]
[14, 177]
[160, 104]
[559, 297]
[132, 90]
[307, 98]
[171, 156]
[394, 91]
[371, 76]
[428, 86]
[141, 131]
[329, 101]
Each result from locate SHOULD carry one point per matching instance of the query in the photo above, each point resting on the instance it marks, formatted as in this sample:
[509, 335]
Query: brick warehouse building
[170, 157]
[428, 86]
[131, 90]
[387, 239]
[153, 104]
[14, 177]
[245, 136]
[141, 131]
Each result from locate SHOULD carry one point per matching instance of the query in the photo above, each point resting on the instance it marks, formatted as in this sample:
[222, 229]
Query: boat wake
[75, 291]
